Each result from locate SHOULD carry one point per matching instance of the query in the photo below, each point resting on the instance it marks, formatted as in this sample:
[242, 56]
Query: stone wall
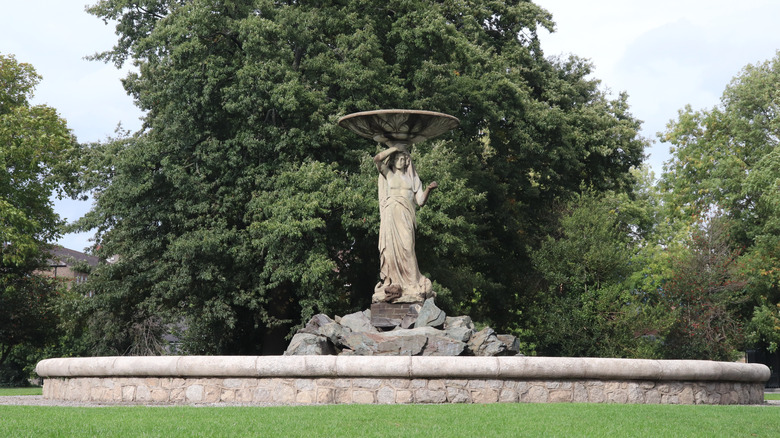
[390, 391]
[387, 380]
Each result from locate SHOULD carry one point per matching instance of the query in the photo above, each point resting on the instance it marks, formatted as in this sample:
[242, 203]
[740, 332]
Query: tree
[762, 260]
[596, 303]
[705, 294]
[29, 315]
[32, 141]
[243, 207]
[714, 150]
[761, 263]
[33, 138]
[726, 162]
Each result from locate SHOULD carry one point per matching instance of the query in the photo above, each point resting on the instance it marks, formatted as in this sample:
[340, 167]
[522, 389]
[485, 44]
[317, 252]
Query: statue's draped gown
[398, 261]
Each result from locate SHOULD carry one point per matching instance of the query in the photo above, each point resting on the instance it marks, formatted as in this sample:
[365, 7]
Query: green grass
[35, 390]
[568, 419]
[772, 396]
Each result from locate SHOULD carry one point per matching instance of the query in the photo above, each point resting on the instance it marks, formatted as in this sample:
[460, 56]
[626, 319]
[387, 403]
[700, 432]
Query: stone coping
[524, 367]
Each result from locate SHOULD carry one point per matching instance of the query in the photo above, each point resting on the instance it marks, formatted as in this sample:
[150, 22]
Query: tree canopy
[33, 141]
[242, 206]
[726, 163]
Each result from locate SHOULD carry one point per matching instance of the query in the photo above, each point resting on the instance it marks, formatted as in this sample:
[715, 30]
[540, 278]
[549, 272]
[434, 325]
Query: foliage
[713, 151]
[18, 368]
[595, 306]
[705, 293]
[762, 259]
[27, 311]
[764, 327]
[32, 141]
[242, 208]
[726, 162]
[684, 269]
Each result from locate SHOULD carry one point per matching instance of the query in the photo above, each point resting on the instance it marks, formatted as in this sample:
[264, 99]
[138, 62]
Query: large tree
[242, 206]
[715, 150]
[726, 162]
[33, 139]
[589, 309]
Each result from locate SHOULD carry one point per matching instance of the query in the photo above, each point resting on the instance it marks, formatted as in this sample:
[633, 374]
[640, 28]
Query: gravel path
[38, 400]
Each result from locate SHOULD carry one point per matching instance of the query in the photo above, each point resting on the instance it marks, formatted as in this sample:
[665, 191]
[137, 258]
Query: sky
[55, 36]
[664, 54]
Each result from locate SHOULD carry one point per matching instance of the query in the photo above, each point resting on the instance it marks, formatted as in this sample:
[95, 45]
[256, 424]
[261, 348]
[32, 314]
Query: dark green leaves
[243, 206]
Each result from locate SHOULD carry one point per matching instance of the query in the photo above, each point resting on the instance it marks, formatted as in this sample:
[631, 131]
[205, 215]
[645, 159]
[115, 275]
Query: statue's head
[401, 160]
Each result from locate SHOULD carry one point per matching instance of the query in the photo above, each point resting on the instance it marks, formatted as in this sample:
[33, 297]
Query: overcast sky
[664, 54]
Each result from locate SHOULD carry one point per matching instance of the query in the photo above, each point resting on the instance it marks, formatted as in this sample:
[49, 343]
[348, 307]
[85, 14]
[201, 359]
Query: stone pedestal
[391, 315]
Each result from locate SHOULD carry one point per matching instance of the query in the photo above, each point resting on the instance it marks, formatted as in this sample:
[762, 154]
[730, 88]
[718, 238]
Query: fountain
[332, 379]
[399, 188]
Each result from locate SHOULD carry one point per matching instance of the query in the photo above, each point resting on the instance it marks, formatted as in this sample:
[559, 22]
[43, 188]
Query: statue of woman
[399, 189]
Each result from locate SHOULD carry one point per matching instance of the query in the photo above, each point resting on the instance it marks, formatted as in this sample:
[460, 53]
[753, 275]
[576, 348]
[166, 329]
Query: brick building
[69, 265]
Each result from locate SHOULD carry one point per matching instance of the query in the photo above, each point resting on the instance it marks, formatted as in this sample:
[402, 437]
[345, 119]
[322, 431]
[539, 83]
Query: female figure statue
[399, 189]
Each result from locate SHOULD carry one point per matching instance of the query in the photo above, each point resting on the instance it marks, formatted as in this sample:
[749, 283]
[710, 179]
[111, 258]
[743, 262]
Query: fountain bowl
[399, 127]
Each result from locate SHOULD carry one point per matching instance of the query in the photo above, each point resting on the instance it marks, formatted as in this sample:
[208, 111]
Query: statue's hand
[433, 185]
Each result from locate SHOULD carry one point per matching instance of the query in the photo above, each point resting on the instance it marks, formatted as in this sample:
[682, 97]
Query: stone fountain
[400, 191]
[378, 367]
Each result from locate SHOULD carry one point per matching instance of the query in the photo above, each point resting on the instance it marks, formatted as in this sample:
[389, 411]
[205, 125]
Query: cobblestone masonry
[398, 379]
[172, 390]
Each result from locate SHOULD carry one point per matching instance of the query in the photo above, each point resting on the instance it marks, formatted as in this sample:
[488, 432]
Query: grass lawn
[772, 396]
[34, 390]
[567, 419]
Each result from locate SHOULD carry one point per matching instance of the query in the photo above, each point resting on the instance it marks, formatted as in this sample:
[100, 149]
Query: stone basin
[399, 127]
[255, 380]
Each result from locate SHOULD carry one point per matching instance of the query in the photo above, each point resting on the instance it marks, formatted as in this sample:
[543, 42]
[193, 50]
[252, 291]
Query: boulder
[383, 323]
[335, 333]
[354, 334]
[315, 323]
[424, 331]
[443, 346]
[430, 315]
[322, 325]
[434, 342]
[309, 344]
[379, 344]
[410, 318]
[458, 321]
[439, 344]
[359, 322]
[461, 334]
[486, 343]
[512, 344]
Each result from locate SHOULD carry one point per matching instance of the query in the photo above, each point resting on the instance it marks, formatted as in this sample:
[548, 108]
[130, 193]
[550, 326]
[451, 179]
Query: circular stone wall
[392, 379]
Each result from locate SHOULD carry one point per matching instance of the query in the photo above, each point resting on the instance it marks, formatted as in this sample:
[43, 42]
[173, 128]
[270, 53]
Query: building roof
[61, 256]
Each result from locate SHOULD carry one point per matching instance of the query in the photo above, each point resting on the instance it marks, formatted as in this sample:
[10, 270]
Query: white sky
[664, 54]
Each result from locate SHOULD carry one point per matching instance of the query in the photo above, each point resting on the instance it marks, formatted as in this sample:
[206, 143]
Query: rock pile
[431, 333]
